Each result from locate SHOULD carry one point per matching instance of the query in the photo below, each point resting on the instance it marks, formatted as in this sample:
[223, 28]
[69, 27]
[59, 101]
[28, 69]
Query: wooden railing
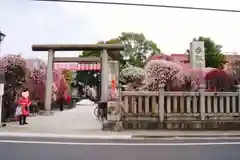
[163, 106]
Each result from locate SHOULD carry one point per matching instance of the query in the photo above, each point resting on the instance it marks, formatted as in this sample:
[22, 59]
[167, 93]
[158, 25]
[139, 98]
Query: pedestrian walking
[69, 101]
[22, 110]
[63, 100]
[61, 103]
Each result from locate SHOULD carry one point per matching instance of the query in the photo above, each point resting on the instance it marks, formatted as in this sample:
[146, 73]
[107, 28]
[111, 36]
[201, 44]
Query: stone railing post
[238, 90]
[161, 110]
[119, 111]
[119, 102]
[202, 101]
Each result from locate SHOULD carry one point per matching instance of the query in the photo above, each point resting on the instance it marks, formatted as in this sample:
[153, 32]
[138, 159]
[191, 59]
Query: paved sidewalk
[79, 119]
[81, 122]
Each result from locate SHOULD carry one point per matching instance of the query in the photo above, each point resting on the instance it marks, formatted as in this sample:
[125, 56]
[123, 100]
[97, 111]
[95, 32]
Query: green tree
[137, 49]
[93, 77]
[213, 54]
[88, 77]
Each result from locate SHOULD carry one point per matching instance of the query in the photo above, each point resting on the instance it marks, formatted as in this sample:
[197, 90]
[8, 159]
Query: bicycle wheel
[101, 115]
[96, 110]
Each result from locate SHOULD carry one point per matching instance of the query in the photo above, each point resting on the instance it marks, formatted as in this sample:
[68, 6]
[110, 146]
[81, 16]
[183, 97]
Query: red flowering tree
[219, 80]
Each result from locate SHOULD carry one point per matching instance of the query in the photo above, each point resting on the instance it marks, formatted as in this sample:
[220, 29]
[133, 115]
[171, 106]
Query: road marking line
[120, 144]
[71, 136]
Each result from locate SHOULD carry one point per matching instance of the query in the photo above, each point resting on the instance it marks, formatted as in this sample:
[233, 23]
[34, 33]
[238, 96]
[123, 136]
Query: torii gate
[51, 48]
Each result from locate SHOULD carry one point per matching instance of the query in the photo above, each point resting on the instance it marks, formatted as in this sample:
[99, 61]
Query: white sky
[26, 22]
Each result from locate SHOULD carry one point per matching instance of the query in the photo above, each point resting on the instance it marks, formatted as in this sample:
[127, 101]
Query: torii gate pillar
[104, 76]
[48, 90]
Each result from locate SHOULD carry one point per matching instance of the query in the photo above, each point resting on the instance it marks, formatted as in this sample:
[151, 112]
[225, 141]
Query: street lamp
[2, 36]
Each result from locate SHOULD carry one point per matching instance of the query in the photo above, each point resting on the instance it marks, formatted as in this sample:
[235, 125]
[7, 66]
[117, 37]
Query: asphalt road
[76, 149]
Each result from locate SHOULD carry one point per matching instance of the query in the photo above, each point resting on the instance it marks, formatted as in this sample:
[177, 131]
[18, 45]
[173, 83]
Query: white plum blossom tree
[132, 73]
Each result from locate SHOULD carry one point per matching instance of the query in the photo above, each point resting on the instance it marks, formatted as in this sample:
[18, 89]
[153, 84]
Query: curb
[183, 136]
[108, 136]
[70, 136]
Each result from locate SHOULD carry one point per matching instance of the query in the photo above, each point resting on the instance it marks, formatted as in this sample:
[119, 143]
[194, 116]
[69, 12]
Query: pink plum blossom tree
[21, 73]
[196, 76]
[160, 72]
[15, 76]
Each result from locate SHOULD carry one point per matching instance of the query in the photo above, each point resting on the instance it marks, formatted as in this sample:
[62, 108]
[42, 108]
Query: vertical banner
[113, 80]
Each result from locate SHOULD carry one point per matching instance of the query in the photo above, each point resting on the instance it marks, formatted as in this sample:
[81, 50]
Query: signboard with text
[113, 80]
[197, 54]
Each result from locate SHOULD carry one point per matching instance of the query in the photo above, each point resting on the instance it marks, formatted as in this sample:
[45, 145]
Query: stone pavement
[79, 119]
[82, 121]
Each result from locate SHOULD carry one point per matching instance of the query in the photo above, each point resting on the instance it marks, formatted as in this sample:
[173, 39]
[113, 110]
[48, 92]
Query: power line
[143, 5]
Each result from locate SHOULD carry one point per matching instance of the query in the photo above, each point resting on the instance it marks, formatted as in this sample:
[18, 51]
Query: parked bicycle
[100, 111]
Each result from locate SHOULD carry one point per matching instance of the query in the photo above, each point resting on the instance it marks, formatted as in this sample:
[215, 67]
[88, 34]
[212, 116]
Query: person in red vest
[24, 103]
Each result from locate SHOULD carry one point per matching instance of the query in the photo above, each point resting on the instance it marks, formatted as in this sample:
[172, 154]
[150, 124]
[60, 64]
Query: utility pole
[2, 81]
